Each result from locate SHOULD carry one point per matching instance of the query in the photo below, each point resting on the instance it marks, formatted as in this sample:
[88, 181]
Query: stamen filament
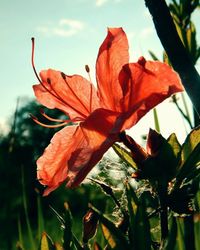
[87, 68]
[50, 118]
[55, 94]
[35, 119]
[64, 78]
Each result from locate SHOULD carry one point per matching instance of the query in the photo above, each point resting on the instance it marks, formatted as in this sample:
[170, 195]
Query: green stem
[189, 233]
[162, 194]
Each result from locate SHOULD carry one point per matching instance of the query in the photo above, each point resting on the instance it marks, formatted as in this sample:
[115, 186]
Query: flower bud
[90, 222]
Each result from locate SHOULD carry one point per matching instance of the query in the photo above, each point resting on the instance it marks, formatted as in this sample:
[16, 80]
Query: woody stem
[175, 49]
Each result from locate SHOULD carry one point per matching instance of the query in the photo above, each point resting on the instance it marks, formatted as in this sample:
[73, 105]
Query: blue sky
[68, 35]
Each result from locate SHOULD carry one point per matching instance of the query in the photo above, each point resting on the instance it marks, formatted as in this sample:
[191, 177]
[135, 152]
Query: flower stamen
[64, 78]
[87, 68]
[50, 118]
[53, 92]
[65, 122]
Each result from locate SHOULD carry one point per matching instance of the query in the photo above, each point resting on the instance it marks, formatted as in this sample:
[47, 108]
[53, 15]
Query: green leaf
[162, 165]
[197, 229]
[156, 121]
[192, 140]
[170, 242]
[44, 244]
[124, 155]
[27, 219]
[176, 147]
[21, 239]
[189, 166]
[142, 229]
[180, 233]
[108, 236]
[67, 237]
[39, 215]
[120, 239]
[132, 206]
[76, 243]
[154, 57]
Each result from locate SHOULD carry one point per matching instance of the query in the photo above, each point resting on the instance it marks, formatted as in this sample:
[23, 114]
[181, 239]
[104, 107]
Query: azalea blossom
[125, 93]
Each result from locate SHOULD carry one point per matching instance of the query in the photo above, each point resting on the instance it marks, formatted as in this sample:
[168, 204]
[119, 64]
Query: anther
[87, 68]
[63, 75]
[142, 61]
[48, 80]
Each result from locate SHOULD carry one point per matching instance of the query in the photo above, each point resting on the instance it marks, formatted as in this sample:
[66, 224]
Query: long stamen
[35, 119]
[32, 59]
[35, 71]
[64, 78]
[55, 94]
[87, 68]
[51, 118]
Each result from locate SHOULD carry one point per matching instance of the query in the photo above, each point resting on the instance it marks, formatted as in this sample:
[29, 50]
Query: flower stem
[162, 194]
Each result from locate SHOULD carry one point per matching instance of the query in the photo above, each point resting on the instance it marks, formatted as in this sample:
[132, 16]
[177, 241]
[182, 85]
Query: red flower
[125, 92]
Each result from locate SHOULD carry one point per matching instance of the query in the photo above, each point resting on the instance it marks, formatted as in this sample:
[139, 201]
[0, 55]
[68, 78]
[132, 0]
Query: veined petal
[74, 151]
[146, 84]
[113, 54]
[97, 139]
[52, 166]
[74, 95]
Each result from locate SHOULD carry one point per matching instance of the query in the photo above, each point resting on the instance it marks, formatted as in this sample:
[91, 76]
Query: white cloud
[146, 32]
[64, 28]
[99, 3]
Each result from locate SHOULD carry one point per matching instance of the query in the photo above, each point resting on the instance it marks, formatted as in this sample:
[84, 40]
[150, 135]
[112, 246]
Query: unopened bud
[154, 142]
[137, 152]
[90, 222]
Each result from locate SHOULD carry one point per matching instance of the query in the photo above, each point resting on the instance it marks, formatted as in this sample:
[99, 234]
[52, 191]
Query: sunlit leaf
[190, 166]
[197, 229]
[58, 247]
[154, 57]
[171, 239]
[67, 237]
[124, 155]
[142, 229]
[77, 244]
[156, 121]
[176, 147]
[108, 236]
[121, 241]
[180, 233]
[132, 206]
[192, 140]
[44, 245]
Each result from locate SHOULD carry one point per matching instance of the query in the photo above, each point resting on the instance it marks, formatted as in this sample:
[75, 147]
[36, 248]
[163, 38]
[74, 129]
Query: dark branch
[175, 50]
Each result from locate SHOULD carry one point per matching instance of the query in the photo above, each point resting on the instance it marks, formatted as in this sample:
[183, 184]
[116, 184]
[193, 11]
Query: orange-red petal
[74, 151]
[113, 54]
[146, 84]
[74, 95]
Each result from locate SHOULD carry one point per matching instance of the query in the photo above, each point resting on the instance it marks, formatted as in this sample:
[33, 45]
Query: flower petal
[52, 165]
[74, 95]
[113, 54]
[74, 151]
[146, 84]
[98, 138]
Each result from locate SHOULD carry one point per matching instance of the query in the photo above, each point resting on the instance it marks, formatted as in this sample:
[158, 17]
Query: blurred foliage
[169, 175]
[19, 150]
